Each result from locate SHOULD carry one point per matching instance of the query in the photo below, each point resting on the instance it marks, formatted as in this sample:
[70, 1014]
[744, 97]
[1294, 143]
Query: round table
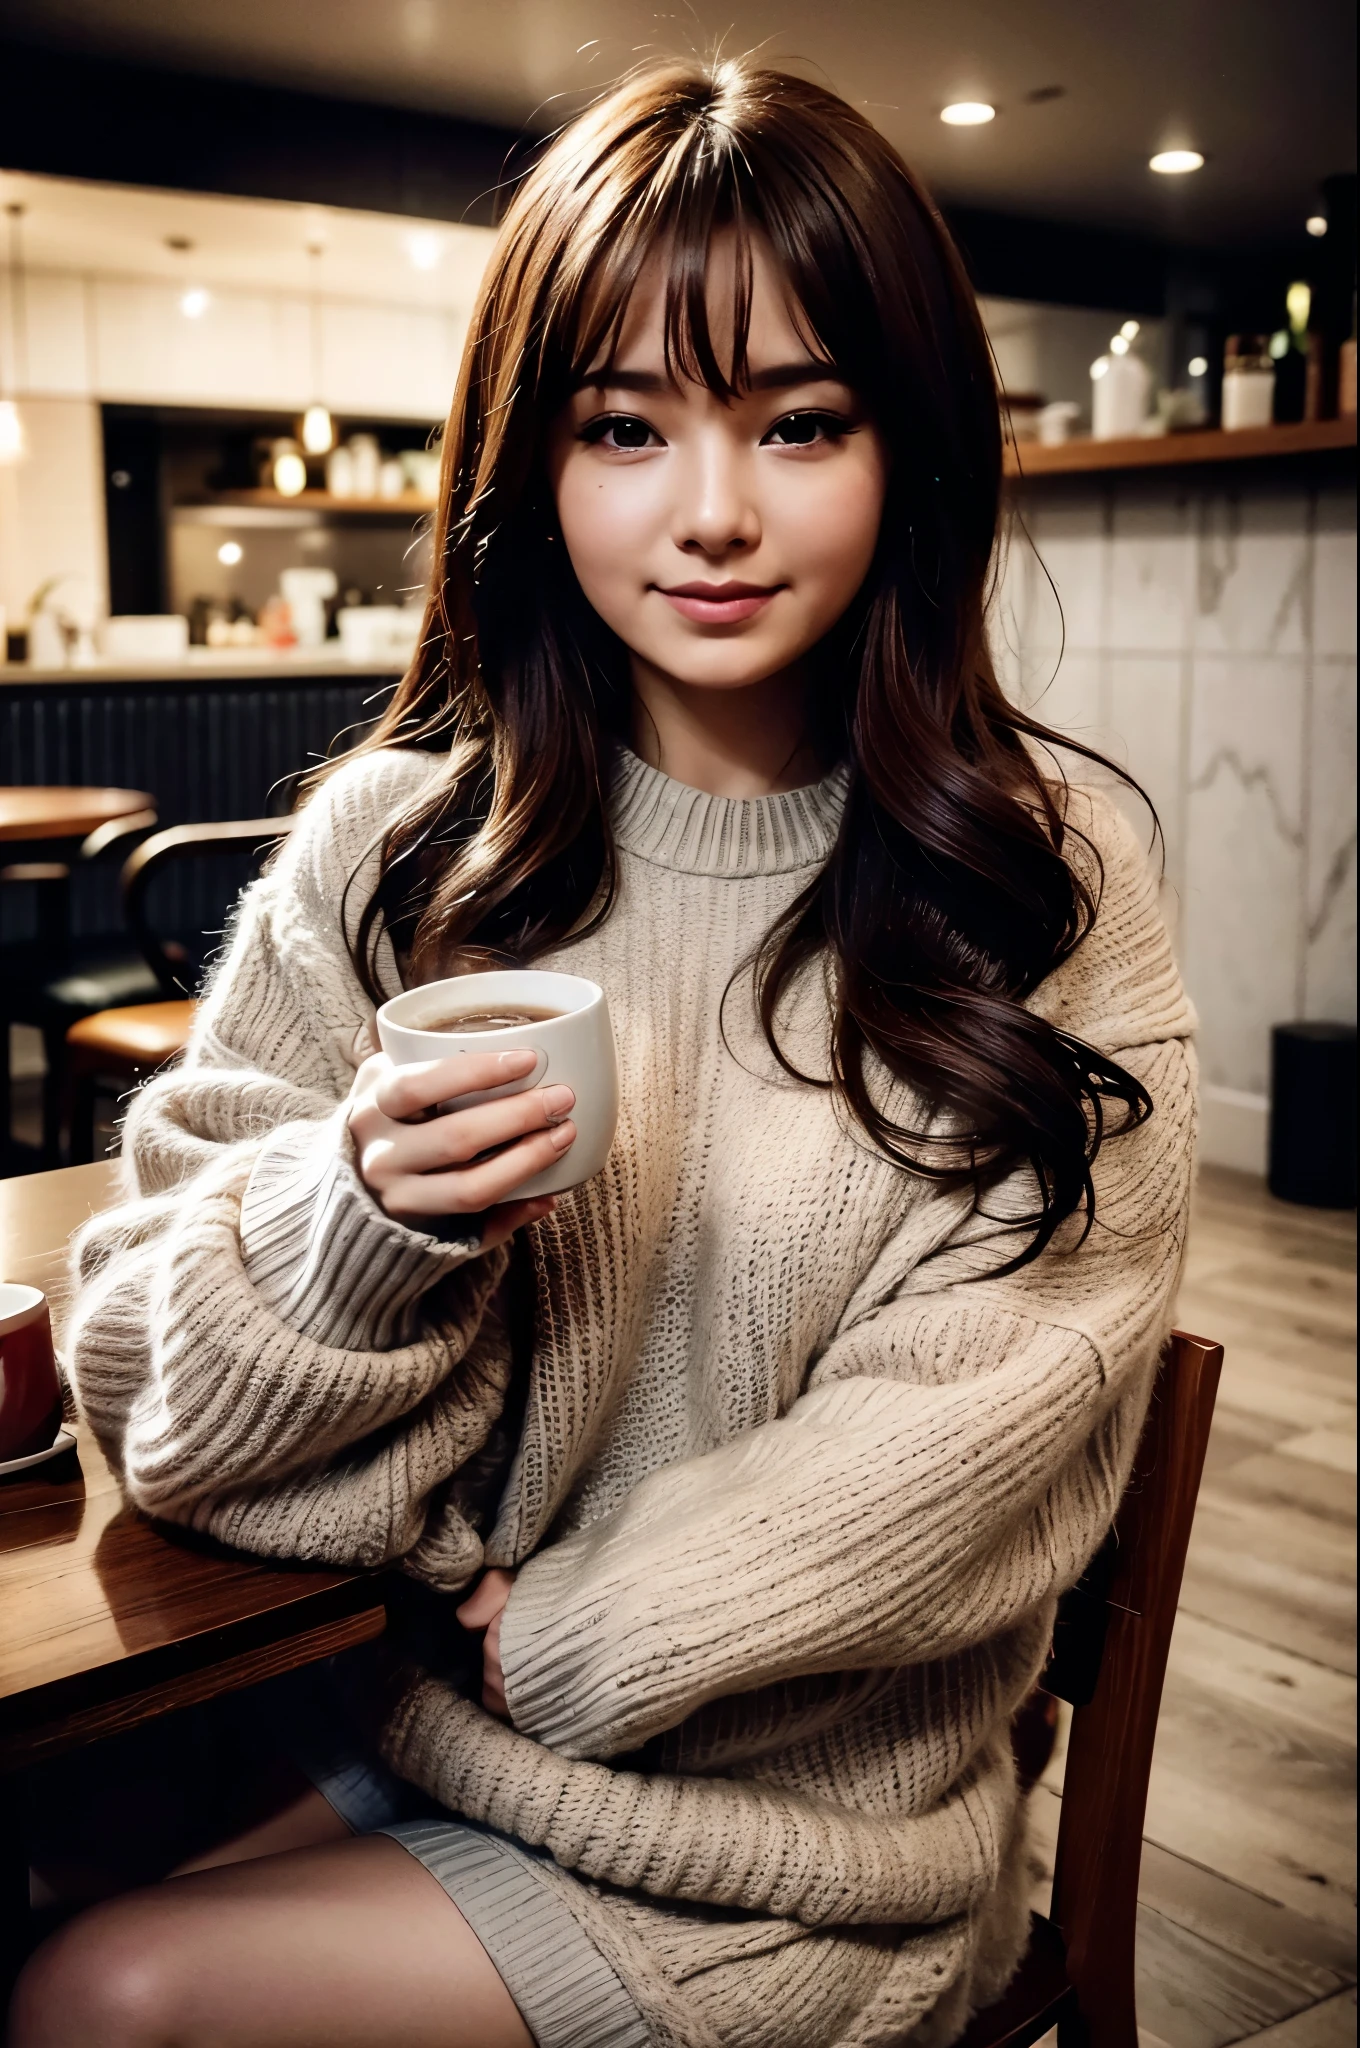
[57, 813]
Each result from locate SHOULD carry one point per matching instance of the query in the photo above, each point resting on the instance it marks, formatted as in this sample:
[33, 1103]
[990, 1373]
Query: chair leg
[83, 1099]
[6, 1096]
[1073, 2031]
[53, 1095]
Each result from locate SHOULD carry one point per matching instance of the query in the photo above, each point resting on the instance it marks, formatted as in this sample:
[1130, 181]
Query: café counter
[218, 735]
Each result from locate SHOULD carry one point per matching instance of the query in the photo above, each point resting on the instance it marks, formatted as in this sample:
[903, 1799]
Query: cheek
[605, 518]
[827, 519]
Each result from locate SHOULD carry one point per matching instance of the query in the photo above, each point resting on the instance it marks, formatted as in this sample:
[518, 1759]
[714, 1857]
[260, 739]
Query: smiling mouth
[720, 604]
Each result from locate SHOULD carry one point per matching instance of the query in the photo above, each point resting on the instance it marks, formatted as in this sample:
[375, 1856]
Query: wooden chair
[1109, 1660]
[117, 1047]
[51, 980]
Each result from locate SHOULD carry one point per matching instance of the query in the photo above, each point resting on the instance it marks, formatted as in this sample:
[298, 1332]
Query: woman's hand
[418, 1167]
[483, 1609]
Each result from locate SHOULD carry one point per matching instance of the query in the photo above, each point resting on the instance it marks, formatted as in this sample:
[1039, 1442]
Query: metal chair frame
[178, 842]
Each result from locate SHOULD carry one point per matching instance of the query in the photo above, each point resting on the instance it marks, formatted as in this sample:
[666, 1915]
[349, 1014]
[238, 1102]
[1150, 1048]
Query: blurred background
[240, 249]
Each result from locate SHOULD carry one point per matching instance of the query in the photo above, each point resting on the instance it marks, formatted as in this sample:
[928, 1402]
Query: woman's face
[719, 541]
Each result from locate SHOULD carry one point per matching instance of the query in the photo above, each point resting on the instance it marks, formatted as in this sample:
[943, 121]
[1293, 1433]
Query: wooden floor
[1247, 1928]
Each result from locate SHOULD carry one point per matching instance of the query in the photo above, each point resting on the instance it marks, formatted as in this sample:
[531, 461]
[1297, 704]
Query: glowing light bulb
[195, 302]
[290, 475]
[1130, 329]
[424, 248]
[230, 553]
[1101, 367]
[1119, 345]
[1298, 304]
[318, 430]
[13, 440]
[1174, 163]
[1198, 366]
[967, 114]
[1316, 223]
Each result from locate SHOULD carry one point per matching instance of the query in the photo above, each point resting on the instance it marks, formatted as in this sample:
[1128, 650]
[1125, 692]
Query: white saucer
[66, 1441]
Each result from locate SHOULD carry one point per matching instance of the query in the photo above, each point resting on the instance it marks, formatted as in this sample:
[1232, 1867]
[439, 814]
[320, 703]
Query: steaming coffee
[488, 1020]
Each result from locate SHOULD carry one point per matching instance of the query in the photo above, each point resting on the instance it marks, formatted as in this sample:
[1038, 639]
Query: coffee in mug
[489, 1020]
[30, 1391]
[562, 1018]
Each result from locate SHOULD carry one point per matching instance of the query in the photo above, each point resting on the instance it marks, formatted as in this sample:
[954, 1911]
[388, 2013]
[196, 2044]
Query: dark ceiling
[1085, 92]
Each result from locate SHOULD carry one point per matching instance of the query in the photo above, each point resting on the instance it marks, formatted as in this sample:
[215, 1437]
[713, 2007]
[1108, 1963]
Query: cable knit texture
[798, 1478]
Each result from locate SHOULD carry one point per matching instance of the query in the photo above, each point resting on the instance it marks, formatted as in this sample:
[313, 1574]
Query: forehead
[775, 333]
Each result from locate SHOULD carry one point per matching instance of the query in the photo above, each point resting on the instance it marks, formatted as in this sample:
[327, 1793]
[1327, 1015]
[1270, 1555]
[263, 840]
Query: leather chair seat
[139, 1035]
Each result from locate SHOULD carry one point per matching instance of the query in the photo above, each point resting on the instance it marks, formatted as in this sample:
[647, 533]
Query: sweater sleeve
[262, 1352]
[957, 1454]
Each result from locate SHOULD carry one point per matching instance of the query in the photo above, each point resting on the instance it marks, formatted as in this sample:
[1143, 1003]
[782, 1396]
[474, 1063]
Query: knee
[111, 1976]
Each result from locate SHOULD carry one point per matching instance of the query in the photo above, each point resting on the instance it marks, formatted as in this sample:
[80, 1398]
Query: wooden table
[107, 1619]
[41, 812]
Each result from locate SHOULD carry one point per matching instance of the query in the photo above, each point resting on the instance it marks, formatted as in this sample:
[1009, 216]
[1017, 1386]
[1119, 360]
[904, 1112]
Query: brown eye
[805, 429]
[620, 430]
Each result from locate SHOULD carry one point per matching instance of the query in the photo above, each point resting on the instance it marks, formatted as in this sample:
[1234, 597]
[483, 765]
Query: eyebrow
[779, 377]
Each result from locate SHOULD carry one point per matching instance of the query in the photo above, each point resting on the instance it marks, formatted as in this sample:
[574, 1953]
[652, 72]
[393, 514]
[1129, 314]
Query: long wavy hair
[952, 890]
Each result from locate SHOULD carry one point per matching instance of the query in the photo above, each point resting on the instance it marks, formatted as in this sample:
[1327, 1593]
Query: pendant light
[317, 430]
[13, 439]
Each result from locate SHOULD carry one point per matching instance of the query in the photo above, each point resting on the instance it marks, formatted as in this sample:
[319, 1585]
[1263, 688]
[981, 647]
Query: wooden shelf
[1168, 451]
[315, 501]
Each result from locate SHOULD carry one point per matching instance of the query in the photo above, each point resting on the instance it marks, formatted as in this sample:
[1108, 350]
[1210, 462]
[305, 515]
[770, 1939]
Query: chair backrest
[1110, 1654]
[183, 843]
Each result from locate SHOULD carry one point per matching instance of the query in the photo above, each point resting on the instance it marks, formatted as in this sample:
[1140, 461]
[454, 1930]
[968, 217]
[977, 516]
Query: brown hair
[948, 895]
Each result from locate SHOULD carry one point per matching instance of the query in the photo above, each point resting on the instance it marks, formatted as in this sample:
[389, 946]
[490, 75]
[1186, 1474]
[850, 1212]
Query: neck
[742, 742]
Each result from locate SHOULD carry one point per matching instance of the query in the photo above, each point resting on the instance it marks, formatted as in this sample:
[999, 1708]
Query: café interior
[240, 253]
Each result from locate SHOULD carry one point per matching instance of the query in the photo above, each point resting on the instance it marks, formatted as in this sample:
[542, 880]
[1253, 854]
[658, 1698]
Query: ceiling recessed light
[424, 248]
[195, 302]
[1316, 223]
[230, 553]
[967, 114]
[1172, 163]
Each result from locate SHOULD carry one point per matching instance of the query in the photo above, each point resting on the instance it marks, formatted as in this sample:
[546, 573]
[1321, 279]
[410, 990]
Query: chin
[727, 666]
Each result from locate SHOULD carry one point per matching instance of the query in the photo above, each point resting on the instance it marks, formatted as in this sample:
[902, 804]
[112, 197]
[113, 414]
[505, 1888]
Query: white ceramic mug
[575, 1045]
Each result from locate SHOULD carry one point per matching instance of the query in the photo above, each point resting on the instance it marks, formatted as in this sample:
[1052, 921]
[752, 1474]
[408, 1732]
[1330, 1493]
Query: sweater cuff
[548, 1643]
[321, 1254]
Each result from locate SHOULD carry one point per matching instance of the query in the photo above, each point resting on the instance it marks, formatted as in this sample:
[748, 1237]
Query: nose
[716, 511]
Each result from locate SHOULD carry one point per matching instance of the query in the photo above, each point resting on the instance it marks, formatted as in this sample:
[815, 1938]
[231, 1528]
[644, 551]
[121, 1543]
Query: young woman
[828, 1383]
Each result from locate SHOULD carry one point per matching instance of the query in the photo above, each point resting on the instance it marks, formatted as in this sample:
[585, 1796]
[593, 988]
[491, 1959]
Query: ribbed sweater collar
[668, 823]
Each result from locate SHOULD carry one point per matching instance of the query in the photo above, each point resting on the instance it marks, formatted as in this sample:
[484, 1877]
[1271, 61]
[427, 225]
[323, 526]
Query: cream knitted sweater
[797, 1482]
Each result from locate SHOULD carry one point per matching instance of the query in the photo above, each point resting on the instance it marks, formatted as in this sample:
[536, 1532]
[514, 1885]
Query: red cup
[30, 1391]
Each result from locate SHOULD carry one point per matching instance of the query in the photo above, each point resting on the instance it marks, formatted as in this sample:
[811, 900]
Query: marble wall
[1203, 633]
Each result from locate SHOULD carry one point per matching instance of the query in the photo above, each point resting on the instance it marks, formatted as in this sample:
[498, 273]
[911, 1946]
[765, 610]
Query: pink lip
[720, 604]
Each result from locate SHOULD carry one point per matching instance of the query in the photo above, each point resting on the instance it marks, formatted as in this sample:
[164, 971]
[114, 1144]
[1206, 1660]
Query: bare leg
[343, 1945]
[304, 1820]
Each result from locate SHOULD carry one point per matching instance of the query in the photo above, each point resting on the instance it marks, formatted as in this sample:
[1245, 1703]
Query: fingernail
[562, 1136]
[521, 1061]
[558, 1102]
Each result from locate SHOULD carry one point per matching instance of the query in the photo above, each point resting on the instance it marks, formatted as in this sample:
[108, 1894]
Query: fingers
[464, 1190]
[402, 1092]
[418, 1167]
[483, 1609]
[486, 1599]
[493, 1678]
[456, 1138]
[502, 1222]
